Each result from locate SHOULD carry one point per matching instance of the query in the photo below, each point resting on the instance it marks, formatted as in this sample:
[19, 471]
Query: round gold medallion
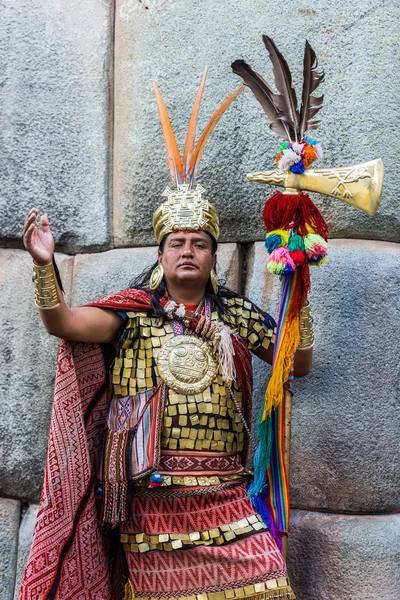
[187, 364]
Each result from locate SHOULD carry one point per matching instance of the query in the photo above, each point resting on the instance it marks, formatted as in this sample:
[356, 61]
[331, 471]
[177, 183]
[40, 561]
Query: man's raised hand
[38, 241]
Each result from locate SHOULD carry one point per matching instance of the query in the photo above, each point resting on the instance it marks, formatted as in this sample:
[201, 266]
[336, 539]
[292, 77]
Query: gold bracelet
[306, 328]
[46, 292]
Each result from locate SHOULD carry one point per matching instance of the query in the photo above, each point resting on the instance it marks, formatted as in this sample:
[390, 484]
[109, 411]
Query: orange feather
[191, 133]
[173, 156]
[198, 151]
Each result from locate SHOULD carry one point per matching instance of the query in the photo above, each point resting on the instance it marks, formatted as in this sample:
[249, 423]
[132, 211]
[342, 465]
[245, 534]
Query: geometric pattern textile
[68, 558]
[206, 569]
[228, 562]
[184, 514]
[179, 462]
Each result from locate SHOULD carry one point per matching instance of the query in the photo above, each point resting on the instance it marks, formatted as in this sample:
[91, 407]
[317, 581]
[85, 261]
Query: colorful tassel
[280, 262]
[156, 480]
[297, 156]
[316, 246]
[318, 261]
[276, 238]
[296, 237]
[298, 168]
[294, 212]
[296, 243]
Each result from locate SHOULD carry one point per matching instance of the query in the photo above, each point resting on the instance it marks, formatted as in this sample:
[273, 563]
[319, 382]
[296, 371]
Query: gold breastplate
[187, 364]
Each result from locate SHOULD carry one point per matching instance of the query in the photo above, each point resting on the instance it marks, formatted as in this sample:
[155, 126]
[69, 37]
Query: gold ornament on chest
[187, 364]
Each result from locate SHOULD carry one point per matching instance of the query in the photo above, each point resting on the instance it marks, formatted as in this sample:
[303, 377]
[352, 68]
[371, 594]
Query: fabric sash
[69, 553]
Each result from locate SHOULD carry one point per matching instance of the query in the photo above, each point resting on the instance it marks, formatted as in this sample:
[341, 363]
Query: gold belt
[143, 542]
[189, 480]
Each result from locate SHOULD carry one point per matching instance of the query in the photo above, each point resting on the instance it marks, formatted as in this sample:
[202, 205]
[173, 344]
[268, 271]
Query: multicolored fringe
[296, 238]
[129, 456]
[286, 343]
[269, 491]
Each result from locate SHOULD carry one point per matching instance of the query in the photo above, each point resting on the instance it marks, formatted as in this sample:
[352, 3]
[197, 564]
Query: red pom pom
[298, 257]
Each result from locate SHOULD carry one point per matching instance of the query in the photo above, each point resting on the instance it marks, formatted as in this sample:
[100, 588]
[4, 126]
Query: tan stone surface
[55, 118]
[25, 535]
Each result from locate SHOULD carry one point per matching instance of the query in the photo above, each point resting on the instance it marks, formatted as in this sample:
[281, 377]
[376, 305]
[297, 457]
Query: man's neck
[182, 295]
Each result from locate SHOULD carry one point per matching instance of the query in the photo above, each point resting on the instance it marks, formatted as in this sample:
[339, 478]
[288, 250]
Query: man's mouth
[187, 264]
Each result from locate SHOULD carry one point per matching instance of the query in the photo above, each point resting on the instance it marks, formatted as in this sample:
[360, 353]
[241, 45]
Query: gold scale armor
[202, 423]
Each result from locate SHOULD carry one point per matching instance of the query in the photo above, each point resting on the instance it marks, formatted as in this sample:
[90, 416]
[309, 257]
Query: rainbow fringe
[269, 492]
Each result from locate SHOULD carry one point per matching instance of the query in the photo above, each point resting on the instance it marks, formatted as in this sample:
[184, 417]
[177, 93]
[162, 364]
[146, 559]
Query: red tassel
[300, 289]
[294, 212]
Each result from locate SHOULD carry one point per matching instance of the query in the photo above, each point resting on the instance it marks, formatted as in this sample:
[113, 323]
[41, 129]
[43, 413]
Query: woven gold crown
[185, 209]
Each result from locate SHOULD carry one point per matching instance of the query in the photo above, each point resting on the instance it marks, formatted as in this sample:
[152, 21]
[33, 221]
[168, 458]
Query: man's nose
[187, 250]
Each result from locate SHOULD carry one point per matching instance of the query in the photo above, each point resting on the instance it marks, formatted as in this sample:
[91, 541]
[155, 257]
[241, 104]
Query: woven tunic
[197, 534]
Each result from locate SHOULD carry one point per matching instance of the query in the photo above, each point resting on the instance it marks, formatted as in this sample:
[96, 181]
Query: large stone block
[9, 523]
[27, 365]
[345, 442]
[24, 544]
[97, 275]
[336, 557]
[55, 65]
[359, 121]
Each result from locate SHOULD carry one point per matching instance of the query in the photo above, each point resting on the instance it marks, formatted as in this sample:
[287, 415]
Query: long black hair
[142, 282]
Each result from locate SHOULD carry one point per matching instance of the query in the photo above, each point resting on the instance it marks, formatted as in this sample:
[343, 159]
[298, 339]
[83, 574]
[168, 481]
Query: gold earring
[214, 281]
[156, 277]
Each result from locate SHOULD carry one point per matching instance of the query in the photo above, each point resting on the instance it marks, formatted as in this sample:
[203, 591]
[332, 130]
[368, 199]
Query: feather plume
[191, 133]
[198, 151]
[264, 94]
[286, 100]
[173, 156]
[310, 105]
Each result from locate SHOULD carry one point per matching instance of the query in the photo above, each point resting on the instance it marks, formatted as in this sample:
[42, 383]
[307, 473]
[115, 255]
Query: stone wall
[80, 139]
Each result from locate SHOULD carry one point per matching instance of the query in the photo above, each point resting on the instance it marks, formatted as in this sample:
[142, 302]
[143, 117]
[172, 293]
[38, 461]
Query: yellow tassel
[129, 593]
[289, 343]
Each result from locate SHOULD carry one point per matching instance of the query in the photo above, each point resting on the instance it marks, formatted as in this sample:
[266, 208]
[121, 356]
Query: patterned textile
[68, 558]
[132, 448]
[210, 463]
[225, 546]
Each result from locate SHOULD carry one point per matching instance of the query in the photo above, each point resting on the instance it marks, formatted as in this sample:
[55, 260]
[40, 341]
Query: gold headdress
[185, 207]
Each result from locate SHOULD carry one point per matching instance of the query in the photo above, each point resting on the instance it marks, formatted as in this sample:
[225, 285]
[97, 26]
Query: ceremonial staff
[296, 237]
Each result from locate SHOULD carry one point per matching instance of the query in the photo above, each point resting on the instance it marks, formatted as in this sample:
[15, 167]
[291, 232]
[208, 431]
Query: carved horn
[359, 185]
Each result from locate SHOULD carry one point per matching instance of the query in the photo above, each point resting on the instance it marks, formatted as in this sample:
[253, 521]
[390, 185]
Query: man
[172, 469]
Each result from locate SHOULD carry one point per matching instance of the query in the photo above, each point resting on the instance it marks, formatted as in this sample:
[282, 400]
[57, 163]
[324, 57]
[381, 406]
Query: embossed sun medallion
[187, 364]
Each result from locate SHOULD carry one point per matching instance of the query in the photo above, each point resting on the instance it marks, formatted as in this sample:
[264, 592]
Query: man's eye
[200, 246]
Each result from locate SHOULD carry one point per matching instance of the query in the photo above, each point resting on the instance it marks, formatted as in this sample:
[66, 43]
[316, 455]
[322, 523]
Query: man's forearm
[303, 362]
[55, 314]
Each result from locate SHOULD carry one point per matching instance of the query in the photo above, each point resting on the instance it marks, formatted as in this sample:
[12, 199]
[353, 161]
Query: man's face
[187, 258]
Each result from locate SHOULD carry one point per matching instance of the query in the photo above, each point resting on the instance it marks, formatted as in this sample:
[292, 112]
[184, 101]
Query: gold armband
[46, 292]
[306, 328]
